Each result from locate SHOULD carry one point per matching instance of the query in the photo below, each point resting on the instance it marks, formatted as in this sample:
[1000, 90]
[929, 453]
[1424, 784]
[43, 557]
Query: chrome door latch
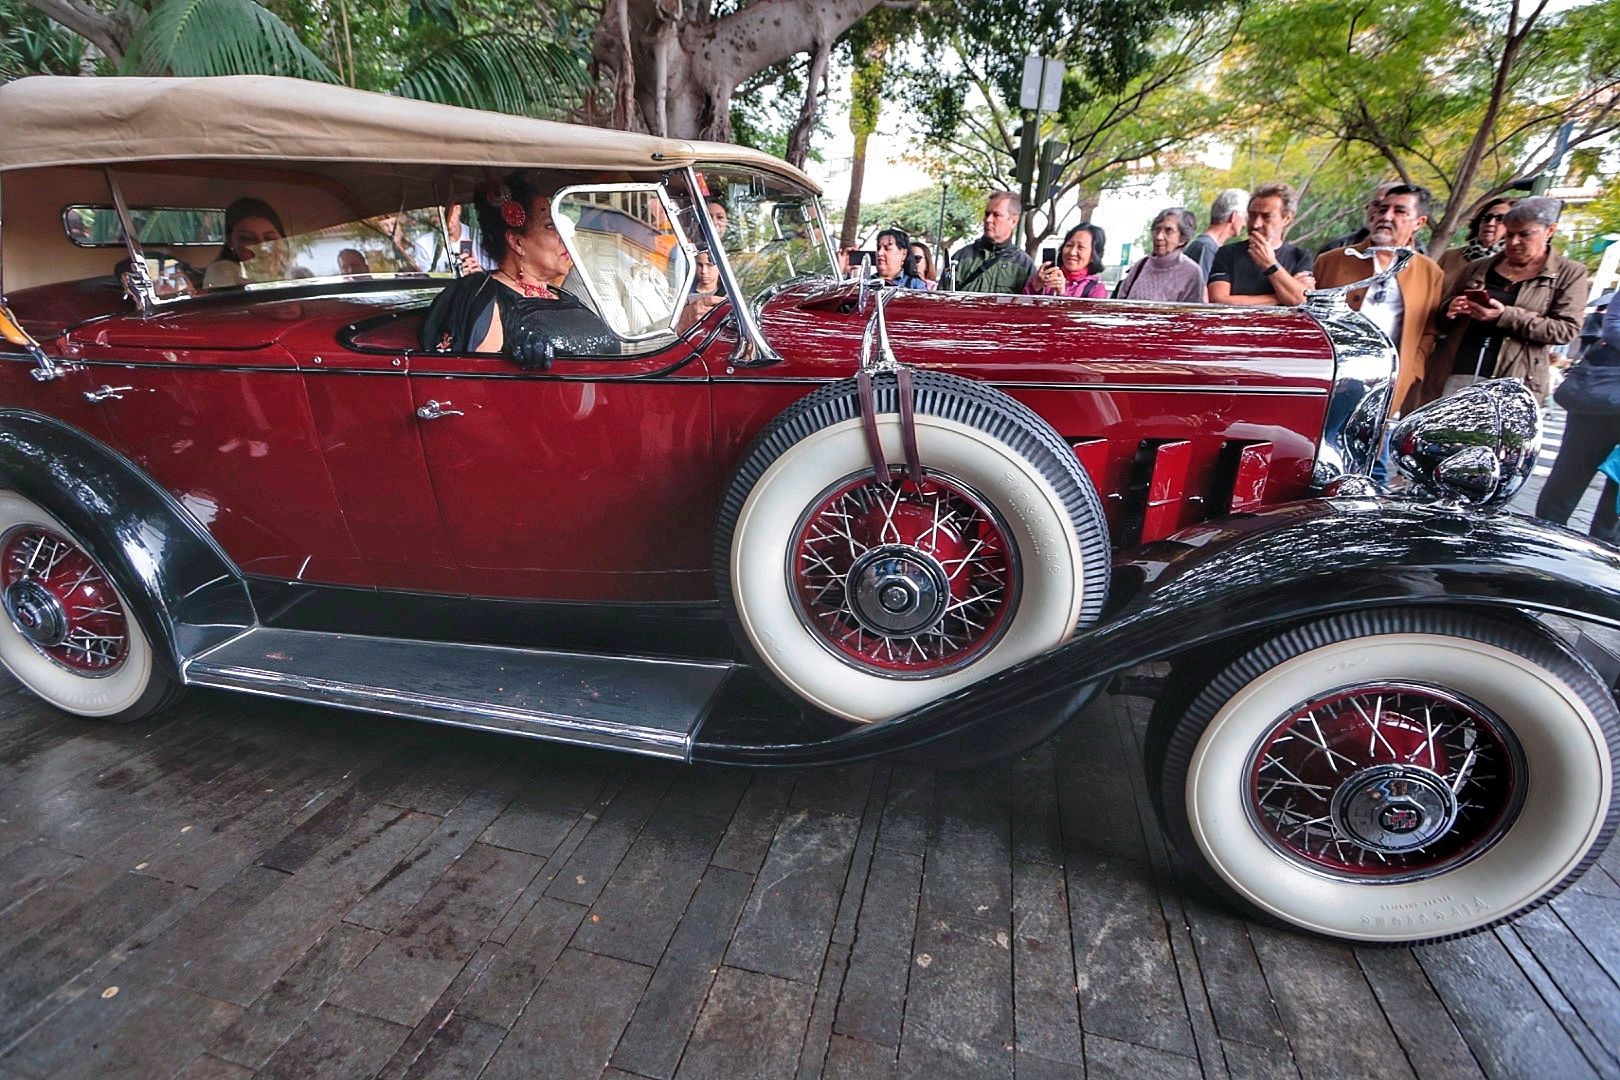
[106, 393]
[435, 410]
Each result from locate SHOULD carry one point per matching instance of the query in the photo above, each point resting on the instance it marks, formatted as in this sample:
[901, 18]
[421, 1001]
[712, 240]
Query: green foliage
[1333, 180]
[917, 212]
[1104, 43]
[220, 37]
[520, 75]
[1605, 209]
[31, 44]
[505, 55]
[1131, 90]
[1408, 88]
[765, 107]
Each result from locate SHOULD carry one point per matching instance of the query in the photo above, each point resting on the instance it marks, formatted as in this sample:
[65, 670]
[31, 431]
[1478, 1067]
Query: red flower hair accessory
[499, 196]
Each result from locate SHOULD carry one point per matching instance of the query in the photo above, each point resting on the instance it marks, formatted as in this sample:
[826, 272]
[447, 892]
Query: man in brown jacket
[1505, 312]
[1403, 309]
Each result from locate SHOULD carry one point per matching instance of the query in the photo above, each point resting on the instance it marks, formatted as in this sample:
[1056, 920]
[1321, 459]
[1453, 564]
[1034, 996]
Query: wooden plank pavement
[247, 888]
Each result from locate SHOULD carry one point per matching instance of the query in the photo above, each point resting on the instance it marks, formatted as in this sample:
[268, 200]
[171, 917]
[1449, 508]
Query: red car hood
[1055, 340]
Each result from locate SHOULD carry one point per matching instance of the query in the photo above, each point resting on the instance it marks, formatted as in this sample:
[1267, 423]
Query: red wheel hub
[902, 577]
[1387, 782]
[61, 601]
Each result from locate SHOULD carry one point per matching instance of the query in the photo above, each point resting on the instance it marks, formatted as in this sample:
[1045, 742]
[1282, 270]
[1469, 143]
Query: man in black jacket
[993, 263]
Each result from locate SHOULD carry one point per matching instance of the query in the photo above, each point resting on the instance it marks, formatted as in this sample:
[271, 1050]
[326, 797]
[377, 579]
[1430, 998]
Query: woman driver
[519, 236]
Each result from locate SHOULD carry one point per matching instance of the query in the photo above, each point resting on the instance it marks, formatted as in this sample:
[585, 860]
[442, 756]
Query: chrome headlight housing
[1476, 447]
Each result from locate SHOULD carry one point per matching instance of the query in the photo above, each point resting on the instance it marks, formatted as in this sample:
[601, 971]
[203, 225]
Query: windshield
[771, 229]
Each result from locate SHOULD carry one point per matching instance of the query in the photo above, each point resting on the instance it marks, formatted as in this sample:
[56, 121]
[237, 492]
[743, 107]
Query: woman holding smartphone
[1075, 269]
[1505, 312]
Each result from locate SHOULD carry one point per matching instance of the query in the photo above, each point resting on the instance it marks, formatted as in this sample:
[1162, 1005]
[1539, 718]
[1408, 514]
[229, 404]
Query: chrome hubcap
[37, 613]
[61, 602]
[1394, 809]
[907, 578]
[1385, 782]
[897, 591]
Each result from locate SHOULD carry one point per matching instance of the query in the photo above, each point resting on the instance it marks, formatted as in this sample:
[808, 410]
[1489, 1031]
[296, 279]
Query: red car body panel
[289, 427]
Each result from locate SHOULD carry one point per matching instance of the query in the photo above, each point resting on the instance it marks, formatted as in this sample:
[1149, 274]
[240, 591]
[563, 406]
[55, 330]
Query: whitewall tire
[1394, 776]
[68, 632]
[869, 597]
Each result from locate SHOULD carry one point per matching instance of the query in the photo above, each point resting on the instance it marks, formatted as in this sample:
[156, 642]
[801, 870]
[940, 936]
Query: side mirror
[1476, 447]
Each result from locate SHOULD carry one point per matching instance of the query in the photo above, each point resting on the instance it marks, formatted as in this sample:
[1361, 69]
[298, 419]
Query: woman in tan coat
[1504, 313]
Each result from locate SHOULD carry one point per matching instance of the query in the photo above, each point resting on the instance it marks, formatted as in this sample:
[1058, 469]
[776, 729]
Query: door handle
[436, 410]
[106, 393]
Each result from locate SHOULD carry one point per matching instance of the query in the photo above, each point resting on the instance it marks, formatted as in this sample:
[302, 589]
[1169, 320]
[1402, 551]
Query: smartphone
[466, 247]
[1477, 296]
[1049, 255]
[858, 257]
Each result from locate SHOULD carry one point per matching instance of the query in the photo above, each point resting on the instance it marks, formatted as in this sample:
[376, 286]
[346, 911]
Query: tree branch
[110, 32]
[765, 32]
[799, 138]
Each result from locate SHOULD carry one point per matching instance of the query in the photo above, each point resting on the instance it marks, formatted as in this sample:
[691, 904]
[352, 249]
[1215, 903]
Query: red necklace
[529, 288]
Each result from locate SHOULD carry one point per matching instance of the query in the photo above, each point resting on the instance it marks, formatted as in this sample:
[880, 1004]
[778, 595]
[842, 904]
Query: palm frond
[220, 37]
[498, 71]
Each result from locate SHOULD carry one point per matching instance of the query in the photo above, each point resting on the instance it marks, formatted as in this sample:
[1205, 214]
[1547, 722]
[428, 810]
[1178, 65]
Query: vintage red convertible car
[816, 523]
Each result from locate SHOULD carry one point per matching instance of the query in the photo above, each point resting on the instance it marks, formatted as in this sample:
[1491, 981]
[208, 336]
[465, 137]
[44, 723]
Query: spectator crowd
[1495, 305]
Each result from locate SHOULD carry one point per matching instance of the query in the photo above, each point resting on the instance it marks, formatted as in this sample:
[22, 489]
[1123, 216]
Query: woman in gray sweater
[1166, 274]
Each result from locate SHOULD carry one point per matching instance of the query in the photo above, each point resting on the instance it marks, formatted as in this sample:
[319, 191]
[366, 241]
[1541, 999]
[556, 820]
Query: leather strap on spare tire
[956, 449]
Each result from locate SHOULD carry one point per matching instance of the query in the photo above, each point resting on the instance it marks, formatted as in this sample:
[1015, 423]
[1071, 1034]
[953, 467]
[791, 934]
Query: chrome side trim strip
[1171, 388]
[649, 741]
[1090, 388]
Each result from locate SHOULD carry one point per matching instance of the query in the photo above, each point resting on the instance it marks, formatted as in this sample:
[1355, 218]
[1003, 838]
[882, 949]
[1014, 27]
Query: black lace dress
[536, 329]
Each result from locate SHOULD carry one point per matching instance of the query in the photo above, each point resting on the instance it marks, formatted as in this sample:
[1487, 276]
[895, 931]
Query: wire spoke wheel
[868, 595]
[1391, 775]
[68, 632]
[1386, 782]
[62, 602]
[901, 577]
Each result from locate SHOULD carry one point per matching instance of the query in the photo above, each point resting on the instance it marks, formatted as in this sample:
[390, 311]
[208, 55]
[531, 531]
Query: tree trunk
[799, 139]
[1458, 207]
[690, 85]
[852, 205]
[865, 102]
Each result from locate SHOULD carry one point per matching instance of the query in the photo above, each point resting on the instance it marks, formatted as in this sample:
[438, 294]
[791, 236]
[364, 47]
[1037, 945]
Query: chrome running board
[645, 705]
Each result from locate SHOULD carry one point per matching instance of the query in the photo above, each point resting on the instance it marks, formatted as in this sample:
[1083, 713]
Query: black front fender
[1240, 575]
[191, 594]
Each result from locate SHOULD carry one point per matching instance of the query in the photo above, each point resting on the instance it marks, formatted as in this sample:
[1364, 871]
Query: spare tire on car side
[868, 597]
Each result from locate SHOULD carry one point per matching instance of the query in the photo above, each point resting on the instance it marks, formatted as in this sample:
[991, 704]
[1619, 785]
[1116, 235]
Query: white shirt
[1384, 306]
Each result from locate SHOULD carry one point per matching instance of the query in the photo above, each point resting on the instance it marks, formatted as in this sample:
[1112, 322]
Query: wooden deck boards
[243, 888]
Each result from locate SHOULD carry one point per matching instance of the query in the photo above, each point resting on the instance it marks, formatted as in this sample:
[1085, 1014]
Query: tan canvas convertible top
[54, 121]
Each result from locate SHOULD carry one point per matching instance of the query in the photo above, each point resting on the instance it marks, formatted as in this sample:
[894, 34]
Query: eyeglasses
[1488, 218]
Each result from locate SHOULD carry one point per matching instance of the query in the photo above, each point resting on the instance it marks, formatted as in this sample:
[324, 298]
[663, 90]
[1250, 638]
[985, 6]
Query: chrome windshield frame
[667, 200]
[752, 348]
